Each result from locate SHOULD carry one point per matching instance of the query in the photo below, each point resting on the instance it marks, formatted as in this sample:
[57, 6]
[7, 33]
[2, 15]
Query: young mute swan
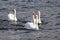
[12, 16]
[32, 25]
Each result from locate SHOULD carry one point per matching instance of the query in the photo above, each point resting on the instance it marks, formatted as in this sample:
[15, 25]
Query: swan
[12, 16]
[32, 25]
[39, 19]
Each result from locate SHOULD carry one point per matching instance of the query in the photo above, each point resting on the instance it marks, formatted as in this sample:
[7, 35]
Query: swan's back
[11, 16]
[30, 25]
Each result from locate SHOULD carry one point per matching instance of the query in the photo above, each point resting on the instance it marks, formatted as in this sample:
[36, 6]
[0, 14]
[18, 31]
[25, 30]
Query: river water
[50, 16]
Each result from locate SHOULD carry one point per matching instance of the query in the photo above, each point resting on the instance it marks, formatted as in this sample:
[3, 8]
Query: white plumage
[39, 19]
[12, 16]
[32, 25]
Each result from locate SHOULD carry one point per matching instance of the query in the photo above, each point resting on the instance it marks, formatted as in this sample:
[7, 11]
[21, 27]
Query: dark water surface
[50, 15]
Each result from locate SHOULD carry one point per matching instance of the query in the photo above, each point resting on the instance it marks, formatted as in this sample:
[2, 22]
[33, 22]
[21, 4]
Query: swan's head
[33, 13]
[38, 11]
[14, 11]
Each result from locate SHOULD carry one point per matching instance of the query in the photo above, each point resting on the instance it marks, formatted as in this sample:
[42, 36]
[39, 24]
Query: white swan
[39, 20]
[32, 25]
[12, 16]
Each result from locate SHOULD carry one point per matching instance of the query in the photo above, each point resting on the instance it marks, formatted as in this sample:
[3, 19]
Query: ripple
[27, 1]
[44, 23]
[4, 0]
[58, 13]
[57, 24]
[48, 2]
[3, 28]
[58, 17]
[52, 14]
[3, 9]
[6, 24]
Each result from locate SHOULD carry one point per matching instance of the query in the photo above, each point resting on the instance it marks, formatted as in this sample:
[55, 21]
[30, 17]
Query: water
[50, 16]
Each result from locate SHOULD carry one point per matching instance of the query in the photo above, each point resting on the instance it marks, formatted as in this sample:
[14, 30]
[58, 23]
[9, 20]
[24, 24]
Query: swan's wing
[30, 25]
[11, 16]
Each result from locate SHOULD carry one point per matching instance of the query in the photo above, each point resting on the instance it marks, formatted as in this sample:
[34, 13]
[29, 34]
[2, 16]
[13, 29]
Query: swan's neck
[39, 16]
[15, 19]
[33, 19]
[37, 22]
[15, 12]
